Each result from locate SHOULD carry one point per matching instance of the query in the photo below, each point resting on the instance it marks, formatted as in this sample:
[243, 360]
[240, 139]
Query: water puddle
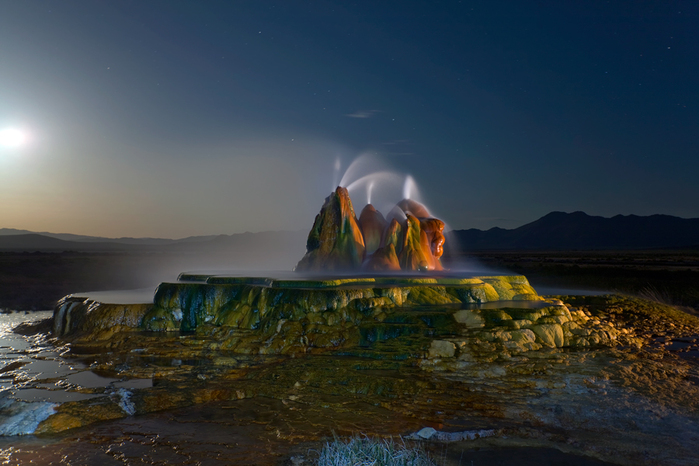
[506, 304]
[548, 291]
[47, 368]
[89, 379]
[35, 376]
[31, 395]
[134, 384]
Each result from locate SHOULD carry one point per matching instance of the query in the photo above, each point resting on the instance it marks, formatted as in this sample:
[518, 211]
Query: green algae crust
[257, 315]
[247, 304]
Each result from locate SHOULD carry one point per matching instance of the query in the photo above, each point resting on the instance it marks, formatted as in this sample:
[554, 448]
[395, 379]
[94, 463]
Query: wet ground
[34, 369]
[256, 430]
[259, 431]
[285, 422]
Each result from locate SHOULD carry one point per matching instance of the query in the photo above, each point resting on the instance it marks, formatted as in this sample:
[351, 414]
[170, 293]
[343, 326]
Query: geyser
[339, 241]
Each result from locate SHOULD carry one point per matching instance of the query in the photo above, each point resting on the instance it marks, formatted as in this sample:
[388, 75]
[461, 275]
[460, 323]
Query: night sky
[177, 118]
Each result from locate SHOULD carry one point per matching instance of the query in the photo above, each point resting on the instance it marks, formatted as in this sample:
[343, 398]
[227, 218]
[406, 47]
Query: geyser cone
[434, 228]
[393, 235]
[384, 259]
[335, 241]
[431, 238]
[416, 254]
[372, 224]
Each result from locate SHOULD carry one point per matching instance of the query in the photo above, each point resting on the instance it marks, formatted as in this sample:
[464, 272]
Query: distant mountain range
[579, 231]
[246, 243]
[99, 239]
[555, 231]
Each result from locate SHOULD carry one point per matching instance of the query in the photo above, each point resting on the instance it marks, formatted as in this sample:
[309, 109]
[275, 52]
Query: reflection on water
[89, 379]
[40, 394]
[133, 384]
[506, 304]
[548, 291]
[35, 375]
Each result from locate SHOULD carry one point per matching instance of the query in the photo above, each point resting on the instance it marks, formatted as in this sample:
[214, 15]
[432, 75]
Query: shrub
[366, 451]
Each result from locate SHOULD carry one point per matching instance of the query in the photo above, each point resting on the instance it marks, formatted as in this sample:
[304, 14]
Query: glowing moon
[12, 137]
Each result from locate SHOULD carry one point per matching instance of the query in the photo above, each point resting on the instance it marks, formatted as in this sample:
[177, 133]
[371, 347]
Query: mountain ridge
[87, 238]
[580, 231]
[554, 231]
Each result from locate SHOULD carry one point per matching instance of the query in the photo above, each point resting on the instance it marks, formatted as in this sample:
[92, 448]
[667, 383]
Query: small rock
[442, 349]
[471, 319]
[426, 432]
[549, 334]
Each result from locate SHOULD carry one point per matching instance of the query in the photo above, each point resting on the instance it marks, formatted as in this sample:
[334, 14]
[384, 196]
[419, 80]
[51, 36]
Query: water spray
[338, 165]
[408, 187]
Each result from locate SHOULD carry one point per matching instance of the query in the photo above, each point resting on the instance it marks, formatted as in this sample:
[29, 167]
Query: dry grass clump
[664, 297]
[368, 452]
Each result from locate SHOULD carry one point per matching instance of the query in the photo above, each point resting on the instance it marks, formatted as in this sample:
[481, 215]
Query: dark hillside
[579, 231]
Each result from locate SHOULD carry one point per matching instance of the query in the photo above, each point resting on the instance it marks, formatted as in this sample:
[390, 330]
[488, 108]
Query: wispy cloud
[362, 114]
[399, 147]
